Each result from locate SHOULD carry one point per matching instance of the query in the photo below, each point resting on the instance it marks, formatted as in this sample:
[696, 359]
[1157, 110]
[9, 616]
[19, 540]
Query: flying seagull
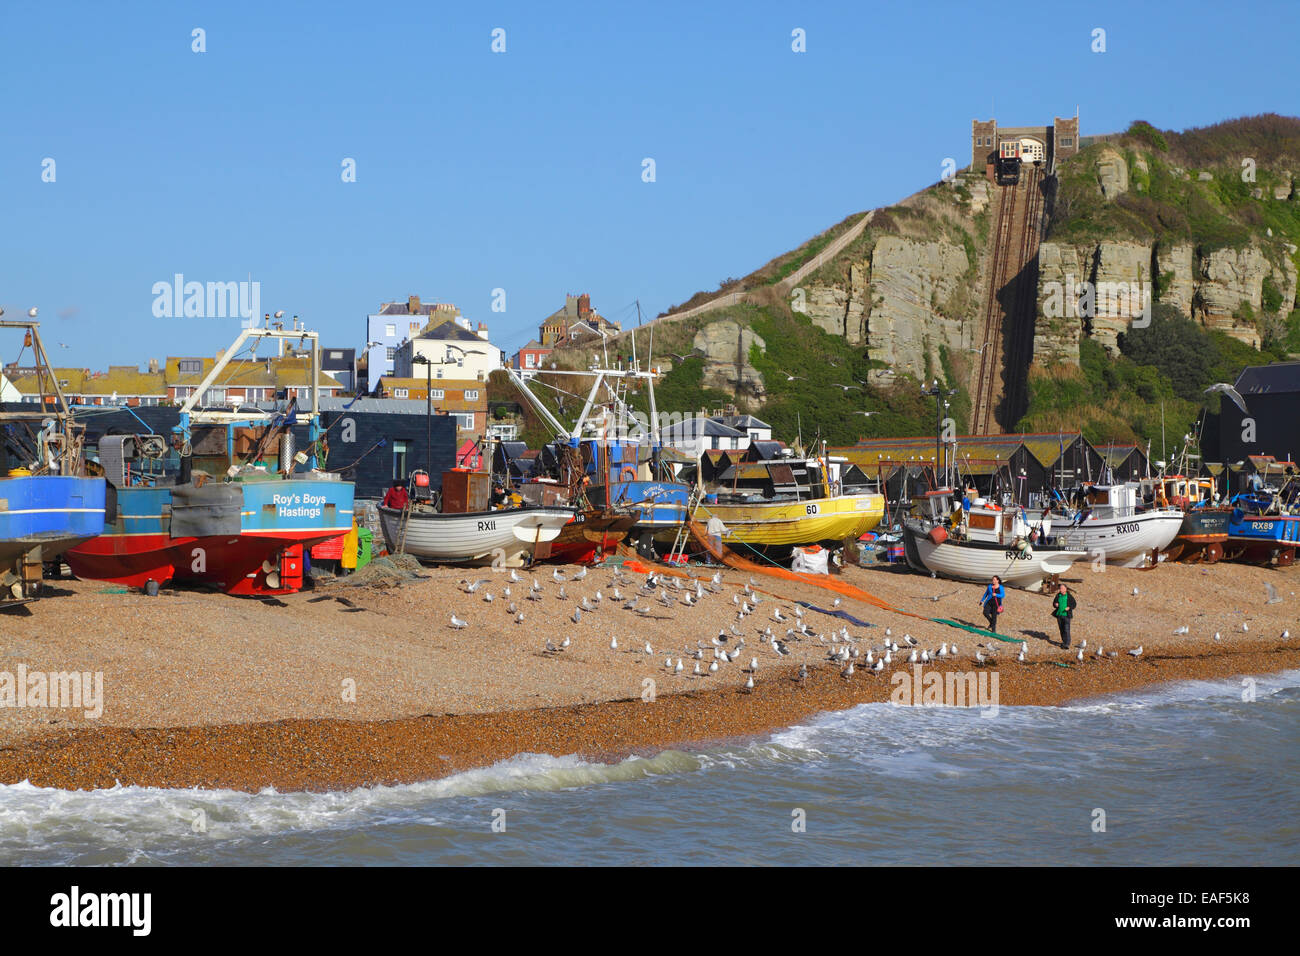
[1231, 392]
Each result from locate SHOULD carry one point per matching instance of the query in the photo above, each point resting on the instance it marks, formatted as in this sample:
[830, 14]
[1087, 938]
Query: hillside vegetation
[1210, 188]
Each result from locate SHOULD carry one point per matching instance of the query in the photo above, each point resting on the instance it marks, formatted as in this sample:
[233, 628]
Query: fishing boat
[778, 504]
[1113, 525]
[1204, 531]
[613, 462]
[1264, 526]
[503, 537]
[242, 523]
[48, 503]
[974, 545]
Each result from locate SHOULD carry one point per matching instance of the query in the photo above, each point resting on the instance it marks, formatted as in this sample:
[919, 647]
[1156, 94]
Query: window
[400, 392]
[436, 395]
[214, 396]
[399, 460]
[471, 395]
[190, 365]
[149, 400]
[391, 353]
[464, 420]
[530, 360]
[336, 356]
[1067, 140]
[390, 331]
[63, 383]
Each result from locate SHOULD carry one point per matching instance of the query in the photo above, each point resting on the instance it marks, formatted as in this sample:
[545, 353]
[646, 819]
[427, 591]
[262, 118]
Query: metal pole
[428, 418]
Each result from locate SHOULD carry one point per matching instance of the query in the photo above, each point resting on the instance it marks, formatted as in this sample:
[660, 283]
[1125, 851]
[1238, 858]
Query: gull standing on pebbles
[1137, 651]
[577, 615]
[458, 623]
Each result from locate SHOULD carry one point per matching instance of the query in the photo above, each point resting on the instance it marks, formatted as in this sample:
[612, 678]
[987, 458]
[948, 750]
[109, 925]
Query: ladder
[683, 530]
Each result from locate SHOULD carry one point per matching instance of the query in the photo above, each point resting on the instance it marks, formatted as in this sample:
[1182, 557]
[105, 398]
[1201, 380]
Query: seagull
[713, 668]
[1231, 392]
[565, 643]
[582, 573]
[458, 623]
[803, 671]
[867, 414]
[649, 650]
[476, 585]
[789, 377]
[487, 597]
[550, 648]
[979, 657]
[536, 588]
[679, 668]
[1217, 637]
[556, 575]
[560, 595]
[1182, 630]
[519, 618]
[847, 672]
[910, 640]
[615, 595]
[1135, 591]
[753, 663]
[512, 609]
[1079, 657]
[613, 643]
[514, 576]
[577, 615]
[1098, 653]
[880, 666]
[1137, 651]
[749, 684]
[1244, 627]
[1021, 656]
[696, 672]
[846, 387]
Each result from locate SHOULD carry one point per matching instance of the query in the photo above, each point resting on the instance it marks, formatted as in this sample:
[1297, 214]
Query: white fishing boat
[974, 545]
[503, 538]
[1112, 526]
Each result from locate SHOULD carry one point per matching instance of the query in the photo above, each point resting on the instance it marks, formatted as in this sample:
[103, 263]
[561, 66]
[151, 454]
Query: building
[757, 430]
[340, 365]
[1271, 426]
[695, 436]
[462, 400]
[393, 324]
[247, 381]
[1042, 143]
[1126, 462]
[120, 385]
[531, 356]
[575, 322]
[454, 350]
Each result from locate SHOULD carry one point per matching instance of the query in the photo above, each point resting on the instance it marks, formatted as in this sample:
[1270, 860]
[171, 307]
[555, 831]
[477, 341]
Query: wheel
[1285, 557]
[1212, 553]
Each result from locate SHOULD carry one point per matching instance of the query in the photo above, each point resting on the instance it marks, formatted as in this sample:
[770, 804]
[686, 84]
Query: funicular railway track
[1010, 298]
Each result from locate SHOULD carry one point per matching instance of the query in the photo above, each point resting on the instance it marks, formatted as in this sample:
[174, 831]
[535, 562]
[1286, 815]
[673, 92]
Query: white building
[695, 436]
[756, 429]
[455, 350]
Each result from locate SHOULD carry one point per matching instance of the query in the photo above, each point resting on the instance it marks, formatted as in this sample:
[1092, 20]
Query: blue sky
[523, 170]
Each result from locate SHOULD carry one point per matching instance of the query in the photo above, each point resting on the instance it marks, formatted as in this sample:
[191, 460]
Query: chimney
[413, 305]
[482, 331]
[584, 304]
[153, 366]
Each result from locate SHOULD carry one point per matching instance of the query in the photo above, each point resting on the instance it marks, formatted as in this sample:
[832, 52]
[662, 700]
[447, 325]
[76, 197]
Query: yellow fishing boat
[785, 502]
[777, 523]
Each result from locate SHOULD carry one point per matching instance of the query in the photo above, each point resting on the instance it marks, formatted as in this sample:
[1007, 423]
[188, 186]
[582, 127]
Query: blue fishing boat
[1264, 527]
[47, 502]
[243, 524]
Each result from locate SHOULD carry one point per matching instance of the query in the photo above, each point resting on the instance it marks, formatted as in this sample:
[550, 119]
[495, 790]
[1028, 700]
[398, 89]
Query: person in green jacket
[1063, 605]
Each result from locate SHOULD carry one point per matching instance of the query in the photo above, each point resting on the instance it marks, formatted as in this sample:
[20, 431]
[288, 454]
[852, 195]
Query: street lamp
[937, 393]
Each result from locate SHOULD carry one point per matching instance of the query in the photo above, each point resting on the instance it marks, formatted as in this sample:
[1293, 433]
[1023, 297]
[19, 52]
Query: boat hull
[145, 541]
[41, 517]
[1131, 541]
[1202, 536]
[1263, 539]
[795, 523]
[505, 537]
[978, 561]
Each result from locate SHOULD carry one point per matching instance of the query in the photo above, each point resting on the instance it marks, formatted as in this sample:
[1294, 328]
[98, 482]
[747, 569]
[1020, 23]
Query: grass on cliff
[1171, 362]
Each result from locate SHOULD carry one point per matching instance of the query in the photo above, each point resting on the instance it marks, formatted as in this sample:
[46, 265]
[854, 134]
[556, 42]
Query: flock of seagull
[657, 593]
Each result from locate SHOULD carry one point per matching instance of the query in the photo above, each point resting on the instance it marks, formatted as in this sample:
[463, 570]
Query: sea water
[1193, 773]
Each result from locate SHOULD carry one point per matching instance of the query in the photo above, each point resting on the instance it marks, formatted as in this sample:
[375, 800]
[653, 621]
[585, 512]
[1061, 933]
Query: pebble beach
[366, 681]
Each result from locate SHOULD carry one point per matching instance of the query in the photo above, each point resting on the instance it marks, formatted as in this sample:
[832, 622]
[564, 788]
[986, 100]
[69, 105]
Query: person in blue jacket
[992, 602]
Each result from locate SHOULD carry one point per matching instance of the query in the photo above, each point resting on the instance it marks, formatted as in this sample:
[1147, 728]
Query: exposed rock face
[1210, 288]
[1112, 172]
[726, 344]
[840, 311]
[910, 282]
